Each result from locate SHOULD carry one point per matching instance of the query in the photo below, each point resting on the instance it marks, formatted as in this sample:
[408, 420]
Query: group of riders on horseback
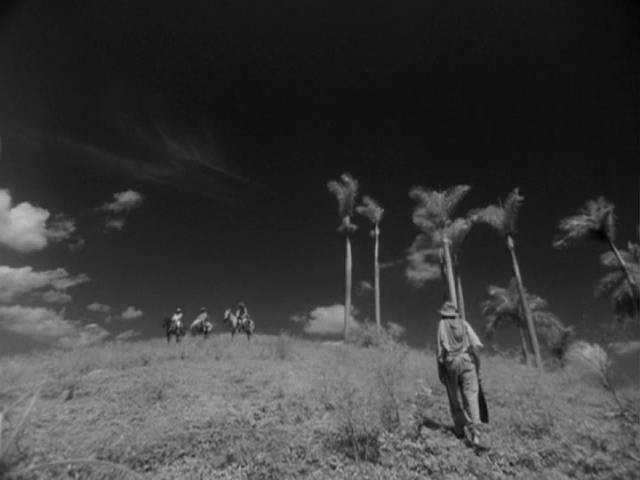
[238, 322]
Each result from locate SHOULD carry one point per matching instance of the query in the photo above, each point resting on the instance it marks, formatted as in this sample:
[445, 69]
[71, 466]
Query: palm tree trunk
[446, 243]
[376, 275]
[347, 286]
[533, 338]
[525, 339]
[461, 307]
[623, 264]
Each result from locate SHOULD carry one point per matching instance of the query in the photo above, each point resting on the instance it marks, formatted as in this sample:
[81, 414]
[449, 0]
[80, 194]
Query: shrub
[369, 335]
[281, 347]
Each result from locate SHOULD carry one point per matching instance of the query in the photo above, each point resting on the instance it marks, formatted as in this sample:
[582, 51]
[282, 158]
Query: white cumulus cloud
[98, 307]
[48, 326]
[15, 282]
[326, 320]
[131, 313]
[396, 330]
[89, 334]
[43, 324]
[421, 270]
[25, 227]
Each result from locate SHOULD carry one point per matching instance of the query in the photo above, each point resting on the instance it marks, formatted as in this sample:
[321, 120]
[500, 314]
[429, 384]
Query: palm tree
[504, 308]
[433, 215]
[504, 218]
[596, 221]
[625, 299]
[346, 190]
[374, 212]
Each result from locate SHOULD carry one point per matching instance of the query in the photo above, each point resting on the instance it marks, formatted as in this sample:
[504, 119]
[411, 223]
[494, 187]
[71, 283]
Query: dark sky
[230, 116]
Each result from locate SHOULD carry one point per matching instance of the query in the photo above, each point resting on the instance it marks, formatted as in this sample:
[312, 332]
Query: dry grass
[280, 407]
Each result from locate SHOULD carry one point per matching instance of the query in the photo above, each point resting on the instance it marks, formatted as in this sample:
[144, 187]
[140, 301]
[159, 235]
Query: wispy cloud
[191, 163]
[115, 224]
[131, 313]
[56, 296]
[76, 245]
[27, 228]
[98, 307]
[15, 282]
[123, 202]
[364, 287]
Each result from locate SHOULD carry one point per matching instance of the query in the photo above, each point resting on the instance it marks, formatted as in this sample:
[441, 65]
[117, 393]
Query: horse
[239, 325]
[232, 321]
[204, 328]
[174, 327]
[248, 326]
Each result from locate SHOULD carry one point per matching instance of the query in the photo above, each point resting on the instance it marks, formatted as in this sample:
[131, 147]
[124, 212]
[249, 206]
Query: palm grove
[436, 250]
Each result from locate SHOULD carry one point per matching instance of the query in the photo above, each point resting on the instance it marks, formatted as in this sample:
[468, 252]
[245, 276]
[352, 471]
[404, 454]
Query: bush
[281, 347]
[369, 335]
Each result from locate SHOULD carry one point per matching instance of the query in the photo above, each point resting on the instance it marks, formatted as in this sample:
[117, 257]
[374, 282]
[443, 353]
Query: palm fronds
[501, 309]
[615, 285]
[502, 217]
[595, 220]
[370, 209]
[504, 308]
[435, 208]
[345, 191]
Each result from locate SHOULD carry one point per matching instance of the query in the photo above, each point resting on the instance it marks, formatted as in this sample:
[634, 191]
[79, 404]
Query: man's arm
[474, 340]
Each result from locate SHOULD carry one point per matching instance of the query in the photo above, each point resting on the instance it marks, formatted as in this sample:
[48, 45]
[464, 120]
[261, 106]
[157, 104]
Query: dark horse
[174, 327]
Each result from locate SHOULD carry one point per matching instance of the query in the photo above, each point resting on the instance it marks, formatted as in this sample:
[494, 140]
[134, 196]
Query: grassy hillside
[277, 408]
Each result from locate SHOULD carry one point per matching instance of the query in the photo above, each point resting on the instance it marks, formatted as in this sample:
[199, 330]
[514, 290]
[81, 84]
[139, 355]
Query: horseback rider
[200, 319]
[177, 317]
[242, 313]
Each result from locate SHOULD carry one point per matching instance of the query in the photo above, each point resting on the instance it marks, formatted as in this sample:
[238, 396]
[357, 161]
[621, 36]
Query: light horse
[174, 327]
[238, 325]
[201, 328]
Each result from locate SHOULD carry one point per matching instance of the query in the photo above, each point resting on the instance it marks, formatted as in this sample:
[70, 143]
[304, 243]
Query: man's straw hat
[448, 310]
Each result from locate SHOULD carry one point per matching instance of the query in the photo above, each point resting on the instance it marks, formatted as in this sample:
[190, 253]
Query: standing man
[457, 370]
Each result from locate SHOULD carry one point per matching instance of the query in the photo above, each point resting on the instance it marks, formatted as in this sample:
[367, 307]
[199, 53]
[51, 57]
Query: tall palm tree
[504, 308]
[374, 212]
[614, 285]
[596, 221]
[433, 216]
[503, 218]
[346, 191]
